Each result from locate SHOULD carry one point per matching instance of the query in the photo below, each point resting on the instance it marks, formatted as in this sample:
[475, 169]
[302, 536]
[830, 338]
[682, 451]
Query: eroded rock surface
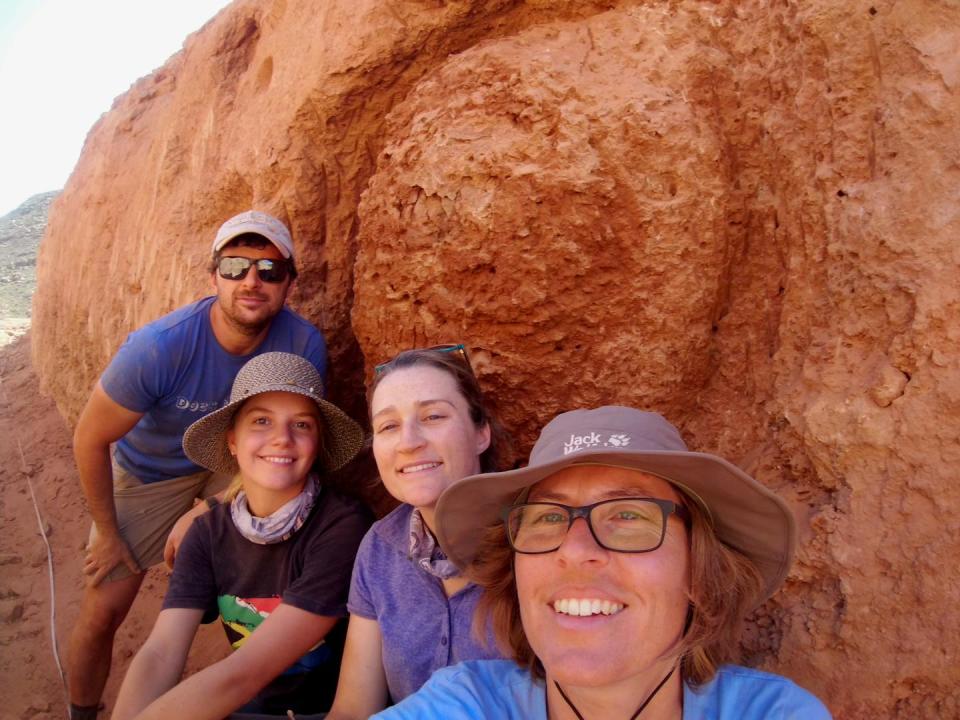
[741, 214]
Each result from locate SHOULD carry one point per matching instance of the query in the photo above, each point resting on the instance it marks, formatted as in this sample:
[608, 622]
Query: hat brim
[746, 516]
[205, 441]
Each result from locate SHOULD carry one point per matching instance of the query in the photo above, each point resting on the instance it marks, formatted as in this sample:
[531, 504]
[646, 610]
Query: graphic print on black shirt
[224, 574]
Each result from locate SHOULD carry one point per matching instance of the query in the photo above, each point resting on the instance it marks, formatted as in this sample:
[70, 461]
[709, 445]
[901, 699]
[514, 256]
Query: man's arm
[101, 423]
[216, 691]
[159, 664]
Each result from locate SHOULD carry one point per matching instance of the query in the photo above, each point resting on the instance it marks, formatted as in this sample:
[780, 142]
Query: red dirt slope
[30, 684]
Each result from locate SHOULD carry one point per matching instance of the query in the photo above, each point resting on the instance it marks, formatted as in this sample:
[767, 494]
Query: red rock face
[743, 215]
[568, 220]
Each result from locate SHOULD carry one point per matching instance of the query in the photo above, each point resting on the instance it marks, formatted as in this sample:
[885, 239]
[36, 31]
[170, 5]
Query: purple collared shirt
[422, 629]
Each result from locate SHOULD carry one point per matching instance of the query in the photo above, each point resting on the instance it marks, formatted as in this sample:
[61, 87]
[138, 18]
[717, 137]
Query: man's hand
[104, 553]
[180, 530]
[102, 422]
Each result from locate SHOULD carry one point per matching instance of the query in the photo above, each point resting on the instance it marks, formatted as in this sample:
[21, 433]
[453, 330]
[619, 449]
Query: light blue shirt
[500, 689]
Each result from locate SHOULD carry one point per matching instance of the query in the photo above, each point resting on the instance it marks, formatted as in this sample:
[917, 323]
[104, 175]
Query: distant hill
[20, 234]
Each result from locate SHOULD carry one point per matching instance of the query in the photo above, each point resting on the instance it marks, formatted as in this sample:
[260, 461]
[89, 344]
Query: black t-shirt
[222, 573]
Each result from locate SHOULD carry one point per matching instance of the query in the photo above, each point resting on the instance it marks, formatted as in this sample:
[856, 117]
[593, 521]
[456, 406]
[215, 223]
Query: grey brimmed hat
[259, 223]
[205, 442]
[746, 516]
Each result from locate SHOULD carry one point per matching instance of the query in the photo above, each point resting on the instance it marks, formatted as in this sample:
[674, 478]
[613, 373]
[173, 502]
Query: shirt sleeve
[802, 705]
[316, 353]
[135, 376]
[479, 689]
[323, 585]
[445, 696]
[193, 583]
[360, 602]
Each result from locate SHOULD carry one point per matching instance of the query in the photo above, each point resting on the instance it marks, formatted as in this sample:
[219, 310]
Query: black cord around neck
[640, 709]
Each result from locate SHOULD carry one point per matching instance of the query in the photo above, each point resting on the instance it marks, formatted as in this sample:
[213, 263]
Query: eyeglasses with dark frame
[268, 270]
[457, 348]
[627, 524]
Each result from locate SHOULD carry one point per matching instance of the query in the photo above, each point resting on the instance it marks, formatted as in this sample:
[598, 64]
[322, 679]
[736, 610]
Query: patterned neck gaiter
[425, 552]
[281, 524]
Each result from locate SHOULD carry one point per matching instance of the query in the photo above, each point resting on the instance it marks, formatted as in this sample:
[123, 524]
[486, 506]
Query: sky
[62, 63]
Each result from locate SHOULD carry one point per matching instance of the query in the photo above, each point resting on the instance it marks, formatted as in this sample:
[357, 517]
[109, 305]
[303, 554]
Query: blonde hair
[235, 486]
[724, 584]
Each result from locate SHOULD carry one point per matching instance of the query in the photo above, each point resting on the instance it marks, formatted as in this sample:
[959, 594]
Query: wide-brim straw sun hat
[745, 515]
[205, 441]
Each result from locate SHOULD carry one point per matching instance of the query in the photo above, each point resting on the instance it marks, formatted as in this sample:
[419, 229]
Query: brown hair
[497, 455]
[253, 240]
[723, 587]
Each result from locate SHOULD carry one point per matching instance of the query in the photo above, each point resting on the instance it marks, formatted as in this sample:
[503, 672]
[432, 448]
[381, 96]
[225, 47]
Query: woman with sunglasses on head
[273, 562]
[617, 580]
[410, 609]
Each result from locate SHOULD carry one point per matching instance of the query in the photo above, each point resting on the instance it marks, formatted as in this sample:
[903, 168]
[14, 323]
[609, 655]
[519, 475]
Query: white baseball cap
[259, 223]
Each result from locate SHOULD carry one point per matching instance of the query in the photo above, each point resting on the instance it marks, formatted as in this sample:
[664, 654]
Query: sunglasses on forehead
[458, 349]
[269, 271]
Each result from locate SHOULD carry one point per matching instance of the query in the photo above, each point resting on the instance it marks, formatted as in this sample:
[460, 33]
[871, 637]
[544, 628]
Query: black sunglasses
[457, 348]
[269, 271]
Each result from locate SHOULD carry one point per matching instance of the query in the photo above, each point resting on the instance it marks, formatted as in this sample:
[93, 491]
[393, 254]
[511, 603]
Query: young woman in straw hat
[410, 609]
[617, 580]
[274, 562]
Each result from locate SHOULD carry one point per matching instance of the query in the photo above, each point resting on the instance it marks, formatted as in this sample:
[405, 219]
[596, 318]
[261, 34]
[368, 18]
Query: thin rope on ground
[53, 594]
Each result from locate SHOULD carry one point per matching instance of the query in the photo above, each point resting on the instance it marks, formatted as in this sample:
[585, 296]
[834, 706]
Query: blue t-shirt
[422, 630]
[500, 689]
[174, 371]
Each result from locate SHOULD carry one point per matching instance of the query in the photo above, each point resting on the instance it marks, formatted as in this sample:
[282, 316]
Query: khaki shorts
[146, 512]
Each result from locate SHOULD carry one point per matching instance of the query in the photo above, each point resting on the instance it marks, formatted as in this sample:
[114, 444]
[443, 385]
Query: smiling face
[596, 617]
[248, 305]
[423, 436]
[275, 437]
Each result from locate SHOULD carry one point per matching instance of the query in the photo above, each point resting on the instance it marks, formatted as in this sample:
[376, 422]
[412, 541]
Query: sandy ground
[30, 684]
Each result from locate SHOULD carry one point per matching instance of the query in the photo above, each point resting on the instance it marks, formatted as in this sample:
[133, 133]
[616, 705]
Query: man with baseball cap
[165, 376]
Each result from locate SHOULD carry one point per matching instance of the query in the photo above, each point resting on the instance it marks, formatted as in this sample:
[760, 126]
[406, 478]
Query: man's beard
[235, 316]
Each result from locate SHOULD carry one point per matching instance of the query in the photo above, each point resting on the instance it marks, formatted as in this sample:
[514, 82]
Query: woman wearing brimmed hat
[618, 578]
[274, 562]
